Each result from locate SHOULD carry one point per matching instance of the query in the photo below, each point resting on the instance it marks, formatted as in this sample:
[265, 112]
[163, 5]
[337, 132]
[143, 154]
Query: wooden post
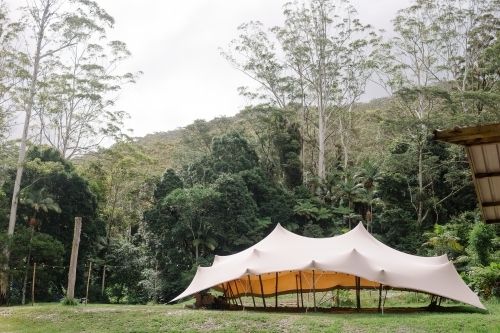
[88, 283]
[383, 304]
[276, 292]
[251, 291]
[232, 293]
[74, 258]
[103, 282]
[33, 286]
[338, 297]
[380, 296]
[238, 292]
[297, 287]
[358, 293]
[301, 291]
[314, 292]
[156, 276]
[262, 291]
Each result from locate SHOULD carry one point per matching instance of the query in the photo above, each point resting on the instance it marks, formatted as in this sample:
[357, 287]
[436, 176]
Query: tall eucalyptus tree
[322, 63]
[427, 69]
[54, 26]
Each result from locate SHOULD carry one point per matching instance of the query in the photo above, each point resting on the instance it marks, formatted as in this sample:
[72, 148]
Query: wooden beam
[88, 283]
[487, 175]
[251, 290]
[70, 292]
[33, 286]
[233, 298]
[314, 292]
[301, 291]
[358, 296]
[467, 136]
[297, 287]
[380, 296]
[490, 204]
[262, 291]
[276, 292]
[238, 291]
[492, 221]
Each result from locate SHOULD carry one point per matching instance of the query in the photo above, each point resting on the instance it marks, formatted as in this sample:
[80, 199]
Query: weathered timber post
[358, 293]
[301, 291]
[251, 290]
[297, 287]
[238, 292]
[262, 291]
[314, 291]
[276, 293]
[33, 286]
[88, 283]
[380, 296]
[74, 258]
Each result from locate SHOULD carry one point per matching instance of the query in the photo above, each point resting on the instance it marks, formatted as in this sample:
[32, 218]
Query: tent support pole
[380, 296]
[238, 292]
[262, 291]
[314, 291]
[231, 293]
[301, 291]
[276, 294]
[251, 290]
[297, 288]
[358, 296]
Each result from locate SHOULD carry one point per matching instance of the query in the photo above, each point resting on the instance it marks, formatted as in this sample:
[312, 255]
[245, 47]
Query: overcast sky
[175, 43]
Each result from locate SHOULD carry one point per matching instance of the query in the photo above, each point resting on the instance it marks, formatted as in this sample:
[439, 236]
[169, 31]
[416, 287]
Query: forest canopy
[305, 152]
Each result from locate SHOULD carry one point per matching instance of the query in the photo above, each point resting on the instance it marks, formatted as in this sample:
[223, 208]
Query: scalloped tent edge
[285, 262]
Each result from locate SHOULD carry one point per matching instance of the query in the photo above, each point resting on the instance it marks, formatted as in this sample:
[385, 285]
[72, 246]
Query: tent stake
[314, 292]
[238, 292]
[380, 296]
[251, 291]
[301, 291]
[276, 294]
[262, 291]
[297, 288]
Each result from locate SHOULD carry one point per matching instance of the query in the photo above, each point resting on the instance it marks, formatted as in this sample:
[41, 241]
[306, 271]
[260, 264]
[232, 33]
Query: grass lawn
[175, 318]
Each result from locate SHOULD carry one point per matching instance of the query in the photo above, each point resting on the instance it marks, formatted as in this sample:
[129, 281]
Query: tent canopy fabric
[284, 262]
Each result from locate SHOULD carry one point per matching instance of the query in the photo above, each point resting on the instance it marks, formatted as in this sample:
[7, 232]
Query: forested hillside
[305, 152]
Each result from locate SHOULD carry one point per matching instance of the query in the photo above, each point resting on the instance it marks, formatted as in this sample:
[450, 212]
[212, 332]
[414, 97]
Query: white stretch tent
[284, 262]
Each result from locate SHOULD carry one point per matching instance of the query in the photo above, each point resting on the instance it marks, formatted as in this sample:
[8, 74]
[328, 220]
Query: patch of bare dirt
[5, 312]
[208, 325]
[177, 313]
[49, 316]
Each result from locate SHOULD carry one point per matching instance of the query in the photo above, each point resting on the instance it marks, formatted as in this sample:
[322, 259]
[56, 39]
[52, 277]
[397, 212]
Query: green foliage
[312, 230]
[69, 301]
[74, 198]
[480, 243]
[484, 280]
[169, 182]
[442, 239]
[44, 250]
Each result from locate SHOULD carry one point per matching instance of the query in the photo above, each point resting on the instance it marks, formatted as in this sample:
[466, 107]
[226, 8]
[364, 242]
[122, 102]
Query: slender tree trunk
[22, 149]
[23, 300]
[420, 185]
[321, 139]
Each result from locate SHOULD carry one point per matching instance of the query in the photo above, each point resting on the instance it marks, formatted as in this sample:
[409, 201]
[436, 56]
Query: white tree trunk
[22, 149]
